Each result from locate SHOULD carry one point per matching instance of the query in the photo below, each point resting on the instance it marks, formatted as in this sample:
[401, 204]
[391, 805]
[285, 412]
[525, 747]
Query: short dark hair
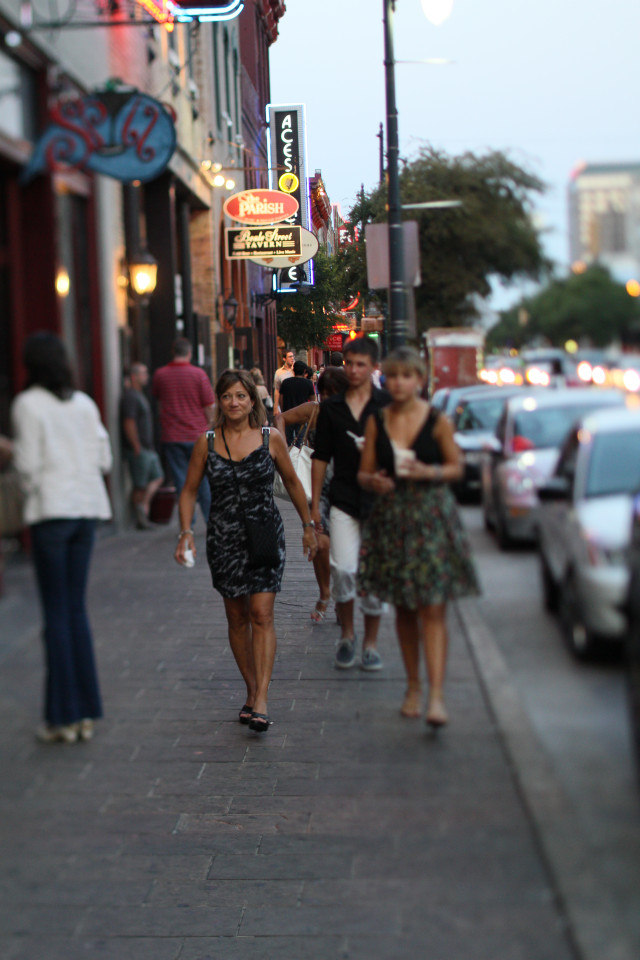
[181, 347]
[299, 368]
[227, 378]
[364, 346]
[47, 361]
[335, 359]
[332, 380]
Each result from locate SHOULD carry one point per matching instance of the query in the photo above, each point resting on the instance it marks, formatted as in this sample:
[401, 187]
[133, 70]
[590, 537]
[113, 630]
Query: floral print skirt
[414, 548]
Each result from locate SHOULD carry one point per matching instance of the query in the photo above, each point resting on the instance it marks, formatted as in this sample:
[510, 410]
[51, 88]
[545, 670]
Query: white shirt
[61, 450]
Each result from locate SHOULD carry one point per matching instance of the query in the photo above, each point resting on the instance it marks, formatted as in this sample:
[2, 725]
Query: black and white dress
[227, 553]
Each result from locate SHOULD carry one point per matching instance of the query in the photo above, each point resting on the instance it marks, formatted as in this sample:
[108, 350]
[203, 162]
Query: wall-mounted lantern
[230, 307]
[63, 283]
[143, 273]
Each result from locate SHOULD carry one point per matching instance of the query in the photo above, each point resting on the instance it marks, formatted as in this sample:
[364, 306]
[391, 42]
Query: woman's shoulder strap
[211, 436]
[266, 433]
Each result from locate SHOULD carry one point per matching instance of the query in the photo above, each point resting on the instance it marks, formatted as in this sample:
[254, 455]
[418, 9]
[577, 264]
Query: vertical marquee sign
[288, 163]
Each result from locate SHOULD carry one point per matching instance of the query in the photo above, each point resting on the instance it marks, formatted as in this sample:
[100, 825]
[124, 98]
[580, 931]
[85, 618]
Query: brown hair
[405, 357]
[258, 416]
[332, 380]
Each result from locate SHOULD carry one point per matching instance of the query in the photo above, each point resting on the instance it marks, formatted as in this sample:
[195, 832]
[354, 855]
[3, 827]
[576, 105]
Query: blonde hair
[258, 415]
[404, 358]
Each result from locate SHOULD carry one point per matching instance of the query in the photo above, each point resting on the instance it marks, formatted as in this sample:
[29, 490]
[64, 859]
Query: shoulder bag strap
[235, 479]
[211, 435]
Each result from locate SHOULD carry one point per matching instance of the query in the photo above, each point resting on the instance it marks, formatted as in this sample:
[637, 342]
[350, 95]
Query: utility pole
[397, 319]
[380, 136]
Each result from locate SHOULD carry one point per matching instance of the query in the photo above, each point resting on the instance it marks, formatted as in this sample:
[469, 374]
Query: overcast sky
[553, 82]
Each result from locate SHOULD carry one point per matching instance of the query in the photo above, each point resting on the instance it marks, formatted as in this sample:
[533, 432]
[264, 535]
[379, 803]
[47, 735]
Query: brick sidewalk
[177, 834]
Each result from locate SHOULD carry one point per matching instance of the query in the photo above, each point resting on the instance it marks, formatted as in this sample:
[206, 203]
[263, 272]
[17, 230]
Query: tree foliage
[306, 319]
[490, 235]
[590, 308]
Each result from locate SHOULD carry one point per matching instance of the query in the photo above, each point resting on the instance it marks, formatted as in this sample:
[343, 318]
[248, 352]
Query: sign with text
[308, 249]
[288, 155]
[261, 207]
[244, 243]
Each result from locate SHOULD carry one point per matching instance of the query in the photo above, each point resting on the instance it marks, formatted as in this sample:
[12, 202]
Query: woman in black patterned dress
[240, 445]
[414, 550]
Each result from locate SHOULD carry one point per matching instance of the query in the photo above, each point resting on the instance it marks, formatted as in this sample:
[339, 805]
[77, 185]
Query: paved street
[177, 834]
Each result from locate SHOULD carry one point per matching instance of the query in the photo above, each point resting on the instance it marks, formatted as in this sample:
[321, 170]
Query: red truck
[454, 356]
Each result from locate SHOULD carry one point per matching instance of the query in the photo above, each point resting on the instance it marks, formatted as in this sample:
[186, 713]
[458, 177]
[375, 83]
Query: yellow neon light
[157, 10]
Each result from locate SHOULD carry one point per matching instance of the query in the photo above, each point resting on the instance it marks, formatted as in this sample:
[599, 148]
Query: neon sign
[206, 11]
[158, 10]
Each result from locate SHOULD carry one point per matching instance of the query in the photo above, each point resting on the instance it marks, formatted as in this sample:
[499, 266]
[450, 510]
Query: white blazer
[61, 451]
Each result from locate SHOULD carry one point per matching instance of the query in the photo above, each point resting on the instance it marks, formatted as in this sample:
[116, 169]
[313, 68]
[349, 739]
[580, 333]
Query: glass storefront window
[17, 100]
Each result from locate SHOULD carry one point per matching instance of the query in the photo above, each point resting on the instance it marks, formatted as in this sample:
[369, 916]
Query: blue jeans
[61, 554]
[177, 456]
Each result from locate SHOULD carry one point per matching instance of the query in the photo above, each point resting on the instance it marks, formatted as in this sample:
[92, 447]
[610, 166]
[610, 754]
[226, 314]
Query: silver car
[524, 451]
[584, 528]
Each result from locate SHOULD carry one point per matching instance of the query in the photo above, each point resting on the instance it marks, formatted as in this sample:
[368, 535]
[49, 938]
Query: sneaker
[49, 734]
[371, 659]
[345, 655]
[86, 729]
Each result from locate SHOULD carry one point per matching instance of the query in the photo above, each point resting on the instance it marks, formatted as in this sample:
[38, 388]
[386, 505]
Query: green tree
[589, 307]
[306, 319]
[461, 249]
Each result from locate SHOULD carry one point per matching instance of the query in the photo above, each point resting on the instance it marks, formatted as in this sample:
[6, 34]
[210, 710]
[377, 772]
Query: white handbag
[301, 460]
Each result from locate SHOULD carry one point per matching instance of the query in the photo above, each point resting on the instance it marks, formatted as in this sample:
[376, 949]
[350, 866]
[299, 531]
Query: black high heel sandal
[245, 714]
[259, 722]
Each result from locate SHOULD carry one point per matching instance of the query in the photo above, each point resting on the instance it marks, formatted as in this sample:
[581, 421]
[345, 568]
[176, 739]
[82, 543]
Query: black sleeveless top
[427, 448]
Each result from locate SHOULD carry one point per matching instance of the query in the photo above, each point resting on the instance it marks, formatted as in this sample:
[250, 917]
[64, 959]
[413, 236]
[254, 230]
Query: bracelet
[183, 533]
[310, 524]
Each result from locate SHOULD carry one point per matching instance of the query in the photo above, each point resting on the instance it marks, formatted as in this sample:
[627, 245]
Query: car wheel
[549, 587]
[505, 540]
[633, 676]
[579, 640]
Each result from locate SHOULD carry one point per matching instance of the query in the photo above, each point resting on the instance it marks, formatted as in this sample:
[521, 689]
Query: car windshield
[474, 415]
[546, 426]
[614, 465]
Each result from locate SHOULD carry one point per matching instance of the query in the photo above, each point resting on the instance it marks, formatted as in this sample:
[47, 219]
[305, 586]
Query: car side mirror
[554, 490]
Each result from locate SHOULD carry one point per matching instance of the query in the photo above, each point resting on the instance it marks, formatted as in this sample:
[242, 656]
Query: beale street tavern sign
[257, 207]
[243, 243]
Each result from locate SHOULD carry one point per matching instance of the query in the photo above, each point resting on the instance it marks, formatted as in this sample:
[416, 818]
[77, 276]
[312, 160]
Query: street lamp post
[397, 300]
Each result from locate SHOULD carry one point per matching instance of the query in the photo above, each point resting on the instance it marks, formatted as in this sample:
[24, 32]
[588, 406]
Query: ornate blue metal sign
[122, 134]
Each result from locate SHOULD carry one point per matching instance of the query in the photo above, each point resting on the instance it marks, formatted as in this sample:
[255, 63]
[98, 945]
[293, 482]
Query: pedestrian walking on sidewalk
[239, 457]
[137, 444]
[186, 404]
[331, 381]
[339, 437]
[61, 451]
[414, 551]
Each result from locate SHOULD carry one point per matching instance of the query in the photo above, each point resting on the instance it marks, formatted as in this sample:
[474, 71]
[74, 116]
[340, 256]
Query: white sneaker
[86, 729]
[50, 734]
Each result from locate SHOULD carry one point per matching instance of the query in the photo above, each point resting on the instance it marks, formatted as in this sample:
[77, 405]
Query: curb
[595, 925]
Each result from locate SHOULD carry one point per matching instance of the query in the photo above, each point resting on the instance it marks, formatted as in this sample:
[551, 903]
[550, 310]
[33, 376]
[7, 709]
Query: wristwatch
[310, 524]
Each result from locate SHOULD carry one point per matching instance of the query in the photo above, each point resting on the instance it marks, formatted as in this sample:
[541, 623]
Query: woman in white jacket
[62, 450]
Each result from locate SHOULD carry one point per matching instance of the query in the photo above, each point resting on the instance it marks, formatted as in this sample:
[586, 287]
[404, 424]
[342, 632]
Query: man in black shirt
[339, 437]
[294, 391]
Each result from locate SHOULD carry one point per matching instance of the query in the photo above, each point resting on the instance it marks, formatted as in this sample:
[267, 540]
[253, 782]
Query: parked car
[584, 527]
[633, 630]
[524, 451]
[448, 398]
[475, 417]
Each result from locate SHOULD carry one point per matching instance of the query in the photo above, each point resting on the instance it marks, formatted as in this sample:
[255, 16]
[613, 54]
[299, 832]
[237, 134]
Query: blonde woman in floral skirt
[414, 551]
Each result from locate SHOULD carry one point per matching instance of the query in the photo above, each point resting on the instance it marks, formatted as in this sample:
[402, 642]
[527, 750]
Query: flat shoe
[245, 714]
[318, 614]
[259, 722]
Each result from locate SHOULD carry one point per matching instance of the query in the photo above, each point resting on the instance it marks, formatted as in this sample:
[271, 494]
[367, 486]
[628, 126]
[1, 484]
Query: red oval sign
[260, 206]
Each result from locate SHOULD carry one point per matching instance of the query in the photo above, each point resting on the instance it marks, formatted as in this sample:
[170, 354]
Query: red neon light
[157, 10]
[352, 305]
